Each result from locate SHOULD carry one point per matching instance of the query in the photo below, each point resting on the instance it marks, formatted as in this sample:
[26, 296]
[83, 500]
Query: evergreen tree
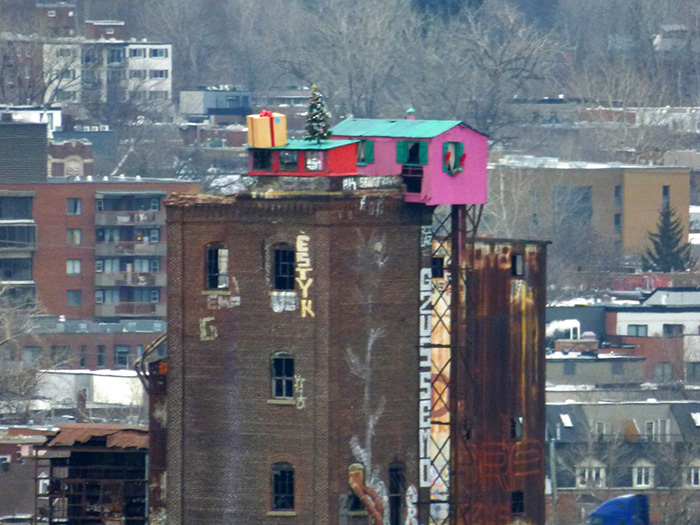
[317, 127]
[669, 252]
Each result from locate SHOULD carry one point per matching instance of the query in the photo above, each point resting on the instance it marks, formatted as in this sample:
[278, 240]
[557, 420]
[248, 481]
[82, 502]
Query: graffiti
[207, 329]
[299, 391]
[411, 510]
[283, 301]
[506, 463]
[424, 392]
[426, 236]
[303, 268]
[219, 302]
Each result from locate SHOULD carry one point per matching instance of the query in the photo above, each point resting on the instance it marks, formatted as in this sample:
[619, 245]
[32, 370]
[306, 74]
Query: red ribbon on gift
[268, 114]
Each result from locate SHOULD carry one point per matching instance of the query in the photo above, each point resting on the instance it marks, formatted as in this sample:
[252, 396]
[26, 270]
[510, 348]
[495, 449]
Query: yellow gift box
[267, 130]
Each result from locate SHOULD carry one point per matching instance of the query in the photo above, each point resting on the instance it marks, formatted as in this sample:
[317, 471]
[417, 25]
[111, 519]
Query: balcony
[130, 279]
[129, 218]
[131, 310]
[117, 249]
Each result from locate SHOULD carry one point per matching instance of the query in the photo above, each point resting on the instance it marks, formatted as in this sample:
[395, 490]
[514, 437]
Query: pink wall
[468, 187]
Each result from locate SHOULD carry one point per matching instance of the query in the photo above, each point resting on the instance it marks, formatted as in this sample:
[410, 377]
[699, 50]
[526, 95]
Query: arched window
[282, 375]
[216, 266]
[283, 269]
[397, 489]
[282, 486]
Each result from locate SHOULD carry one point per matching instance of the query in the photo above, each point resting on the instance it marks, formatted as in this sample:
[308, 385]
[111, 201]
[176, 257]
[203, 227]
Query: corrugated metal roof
[399, 128]
[119, 436]
[296, 144]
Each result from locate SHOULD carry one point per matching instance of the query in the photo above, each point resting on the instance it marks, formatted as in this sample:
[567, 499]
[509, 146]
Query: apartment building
[620, 203]
[88, 249]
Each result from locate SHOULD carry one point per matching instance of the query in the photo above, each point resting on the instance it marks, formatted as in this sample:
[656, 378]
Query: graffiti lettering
[303, 268]
[411, 510]
[207, 329]
[424, 392]
[218, 302]
[299, 391]
[505, 462]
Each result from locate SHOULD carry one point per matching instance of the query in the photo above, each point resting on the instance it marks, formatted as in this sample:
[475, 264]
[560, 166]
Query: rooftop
[294, 144]
[395, 128]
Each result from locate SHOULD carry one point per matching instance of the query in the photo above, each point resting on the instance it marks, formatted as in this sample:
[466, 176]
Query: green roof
[399, 128]
[296, 144]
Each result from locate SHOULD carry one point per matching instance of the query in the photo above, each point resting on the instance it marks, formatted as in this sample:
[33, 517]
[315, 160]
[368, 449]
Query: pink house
[441, 161]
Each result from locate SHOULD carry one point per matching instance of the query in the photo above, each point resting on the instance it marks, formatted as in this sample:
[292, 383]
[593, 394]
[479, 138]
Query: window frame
[642, 476]
[71, 296]
[74, 236]
[215, 278]
[281, 377]
[74, 266]
[74, 206]
[119, 351]
[283, 271]
[282, 494]
[365, 152]
[633, 330]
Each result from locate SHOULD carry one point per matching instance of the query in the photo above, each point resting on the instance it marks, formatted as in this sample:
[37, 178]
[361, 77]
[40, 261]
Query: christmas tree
[317, 116]
[669, 252]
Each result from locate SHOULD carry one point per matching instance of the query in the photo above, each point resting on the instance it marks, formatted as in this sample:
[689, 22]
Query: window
[517, 502]
[31, 356]
[108, 295]
[569, 368]
[116, 75]
[437, 267]
[64, 52]
[282, 486]
[63, 96]
[365, 152]
[73, 267]
[692, 476]
[590, 476]
[412, 153]
[673, 330]
[663, 372]
[157, 95]
[154, 204]
[618, 196]
[74, 298]
[517, 265]
[283, 271]
[642, 476]
[453, 157]
[107, 234]
[666, 195]
[262, 160]
[68, 74]
[314, 161]
[109, 31]
[600, 428]
[649, 430]
[397, 488]
[115, 56]
[154, 265]
[618, 223]
[101, 356]
[90, 76]
[17, 236]
[516, 427]
[282, 376]
[637, 330]
[217, 266]
[83, 356]
[16, 269]
[137, 73]
[51, 14]
[692, 372]
[60, 356]
[122, 356]
[138, 52]
[158, 73]
[107, 265]
[146, 295]
[15, 207]
[74, 237]
[158, 53]
[74, 206]
[617, 368]
[288, 160]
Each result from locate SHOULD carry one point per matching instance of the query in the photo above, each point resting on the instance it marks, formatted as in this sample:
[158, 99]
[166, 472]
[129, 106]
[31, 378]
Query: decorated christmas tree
[317, 116]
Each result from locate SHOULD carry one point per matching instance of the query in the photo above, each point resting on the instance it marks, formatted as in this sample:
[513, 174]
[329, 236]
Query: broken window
[282, 376]
[516, 427]
[262, 159]
[397, 487]
[412, 153]
[217, 266]
[282, 486]
[517, 502]
[283, 271]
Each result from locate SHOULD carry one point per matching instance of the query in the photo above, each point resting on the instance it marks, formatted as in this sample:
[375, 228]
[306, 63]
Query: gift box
[267, 130]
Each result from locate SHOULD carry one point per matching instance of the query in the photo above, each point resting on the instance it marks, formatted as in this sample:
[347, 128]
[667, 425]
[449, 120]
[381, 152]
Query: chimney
[410, 114]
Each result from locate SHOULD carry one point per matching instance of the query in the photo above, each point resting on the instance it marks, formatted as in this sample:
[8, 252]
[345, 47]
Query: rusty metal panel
[119, 436]
[498, 385]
